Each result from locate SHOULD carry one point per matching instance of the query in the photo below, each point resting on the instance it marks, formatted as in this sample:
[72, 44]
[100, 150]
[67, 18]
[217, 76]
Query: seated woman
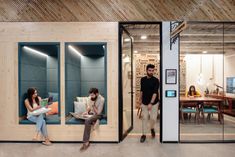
[192, 92]
[32, 104]
[95, 108]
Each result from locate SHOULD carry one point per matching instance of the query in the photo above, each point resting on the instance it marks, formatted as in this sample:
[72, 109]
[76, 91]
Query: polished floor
[212, 130]
[130, 147]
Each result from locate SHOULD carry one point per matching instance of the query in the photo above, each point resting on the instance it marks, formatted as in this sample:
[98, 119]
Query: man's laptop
[80, 115]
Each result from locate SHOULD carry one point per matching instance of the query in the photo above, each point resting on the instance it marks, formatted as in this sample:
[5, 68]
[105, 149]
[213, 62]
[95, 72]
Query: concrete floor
[129, 147]
[190, 131]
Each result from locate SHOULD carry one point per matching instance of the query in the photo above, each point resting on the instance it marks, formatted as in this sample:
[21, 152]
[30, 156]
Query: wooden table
[188, 101]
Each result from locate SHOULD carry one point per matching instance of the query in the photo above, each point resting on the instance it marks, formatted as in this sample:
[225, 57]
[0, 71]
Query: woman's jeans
[40, 124]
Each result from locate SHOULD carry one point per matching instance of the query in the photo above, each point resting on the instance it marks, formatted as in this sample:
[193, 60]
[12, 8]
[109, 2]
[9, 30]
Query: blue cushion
[189, 110]
[51, 119]
[55, 96]
[210, 110]
[80, 121]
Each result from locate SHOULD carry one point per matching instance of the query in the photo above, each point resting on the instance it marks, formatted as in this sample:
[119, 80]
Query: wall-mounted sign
[171, 76]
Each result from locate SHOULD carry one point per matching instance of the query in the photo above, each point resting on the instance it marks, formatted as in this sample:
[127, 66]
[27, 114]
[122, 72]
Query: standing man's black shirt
[149, 86]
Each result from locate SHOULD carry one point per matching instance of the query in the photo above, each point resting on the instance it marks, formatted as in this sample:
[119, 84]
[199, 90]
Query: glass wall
[206, 82]
[229, 81]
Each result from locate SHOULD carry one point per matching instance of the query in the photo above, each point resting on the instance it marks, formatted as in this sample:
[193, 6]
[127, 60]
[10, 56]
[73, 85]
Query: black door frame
[121, 134]
[120, 107]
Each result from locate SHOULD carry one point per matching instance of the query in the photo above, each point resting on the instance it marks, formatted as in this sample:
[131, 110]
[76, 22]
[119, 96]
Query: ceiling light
[74, 50]
[143, 37]
[35, 51]
[127, 39]
[135, 51]
[204, 52]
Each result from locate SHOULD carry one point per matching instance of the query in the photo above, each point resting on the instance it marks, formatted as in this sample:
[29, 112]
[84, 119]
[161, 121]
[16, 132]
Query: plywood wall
[12, 33]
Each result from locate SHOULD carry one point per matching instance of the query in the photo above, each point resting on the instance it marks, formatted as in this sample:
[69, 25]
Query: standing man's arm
[154, 95]
[138, 104]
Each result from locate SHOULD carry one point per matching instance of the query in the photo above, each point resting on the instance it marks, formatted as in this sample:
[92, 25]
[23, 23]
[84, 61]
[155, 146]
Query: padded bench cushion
[51, 119]
[189, 110]
[210, 110]
[73, 120]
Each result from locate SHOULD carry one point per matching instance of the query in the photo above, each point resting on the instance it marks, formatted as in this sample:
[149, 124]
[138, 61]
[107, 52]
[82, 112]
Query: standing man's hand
[138, 104]
[150, 107]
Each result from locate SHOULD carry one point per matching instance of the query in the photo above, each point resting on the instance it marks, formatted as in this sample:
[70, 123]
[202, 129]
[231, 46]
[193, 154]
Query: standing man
[149, 101]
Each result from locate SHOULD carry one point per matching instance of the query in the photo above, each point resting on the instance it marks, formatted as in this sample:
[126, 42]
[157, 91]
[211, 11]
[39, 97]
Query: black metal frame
[121, 135]
[201, 141]
[120, 114]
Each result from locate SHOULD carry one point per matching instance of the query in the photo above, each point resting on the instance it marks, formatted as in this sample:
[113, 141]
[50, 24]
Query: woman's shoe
[47, 143]
[36, 139]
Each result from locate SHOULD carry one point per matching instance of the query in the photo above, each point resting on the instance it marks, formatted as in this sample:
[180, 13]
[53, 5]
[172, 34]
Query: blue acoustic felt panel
[28, 57]
[37, 71]
[72, 79]
[52, 74]
[93, 74]
[92, 62]
[32, 74]
[83, 73]
[73, 73]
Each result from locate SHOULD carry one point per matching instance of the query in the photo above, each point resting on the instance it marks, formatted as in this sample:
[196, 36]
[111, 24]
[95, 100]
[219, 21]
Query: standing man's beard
[150, 75]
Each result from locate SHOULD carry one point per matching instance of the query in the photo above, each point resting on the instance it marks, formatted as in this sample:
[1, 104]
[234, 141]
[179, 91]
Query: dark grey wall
[52, 74]
[82, 73]
[92, 74]
[72, 79]
[37, 71]
[33, 73]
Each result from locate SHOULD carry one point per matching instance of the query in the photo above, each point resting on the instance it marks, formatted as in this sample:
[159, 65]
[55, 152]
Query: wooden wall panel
[12, 33]
[116, 10]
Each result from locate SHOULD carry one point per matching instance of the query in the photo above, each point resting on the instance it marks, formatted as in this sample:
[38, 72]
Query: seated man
[95, 107]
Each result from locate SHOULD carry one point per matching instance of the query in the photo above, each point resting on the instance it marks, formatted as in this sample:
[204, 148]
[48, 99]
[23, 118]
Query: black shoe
[153, 133]
[142, 138]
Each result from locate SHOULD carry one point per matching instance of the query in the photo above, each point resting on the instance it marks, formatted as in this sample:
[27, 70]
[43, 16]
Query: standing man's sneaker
[142, 139]
[153, 133]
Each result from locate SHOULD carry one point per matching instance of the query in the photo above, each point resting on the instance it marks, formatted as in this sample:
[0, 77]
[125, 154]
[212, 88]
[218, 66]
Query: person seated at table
[32, 104]
[192, 92]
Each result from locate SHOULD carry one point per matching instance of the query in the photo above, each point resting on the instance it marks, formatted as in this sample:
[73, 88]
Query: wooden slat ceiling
[196, 38]
[116, 10]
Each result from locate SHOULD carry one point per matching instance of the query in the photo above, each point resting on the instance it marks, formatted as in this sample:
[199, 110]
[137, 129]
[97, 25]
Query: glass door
[126, 89]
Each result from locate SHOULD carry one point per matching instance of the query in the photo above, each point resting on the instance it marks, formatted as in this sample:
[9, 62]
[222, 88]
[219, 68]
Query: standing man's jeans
[40, 124]
[153, 117]
[88, 123]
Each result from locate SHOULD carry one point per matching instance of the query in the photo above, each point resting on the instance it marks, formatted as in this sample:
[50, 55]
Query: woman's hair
[30, 93]
[190, 91]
